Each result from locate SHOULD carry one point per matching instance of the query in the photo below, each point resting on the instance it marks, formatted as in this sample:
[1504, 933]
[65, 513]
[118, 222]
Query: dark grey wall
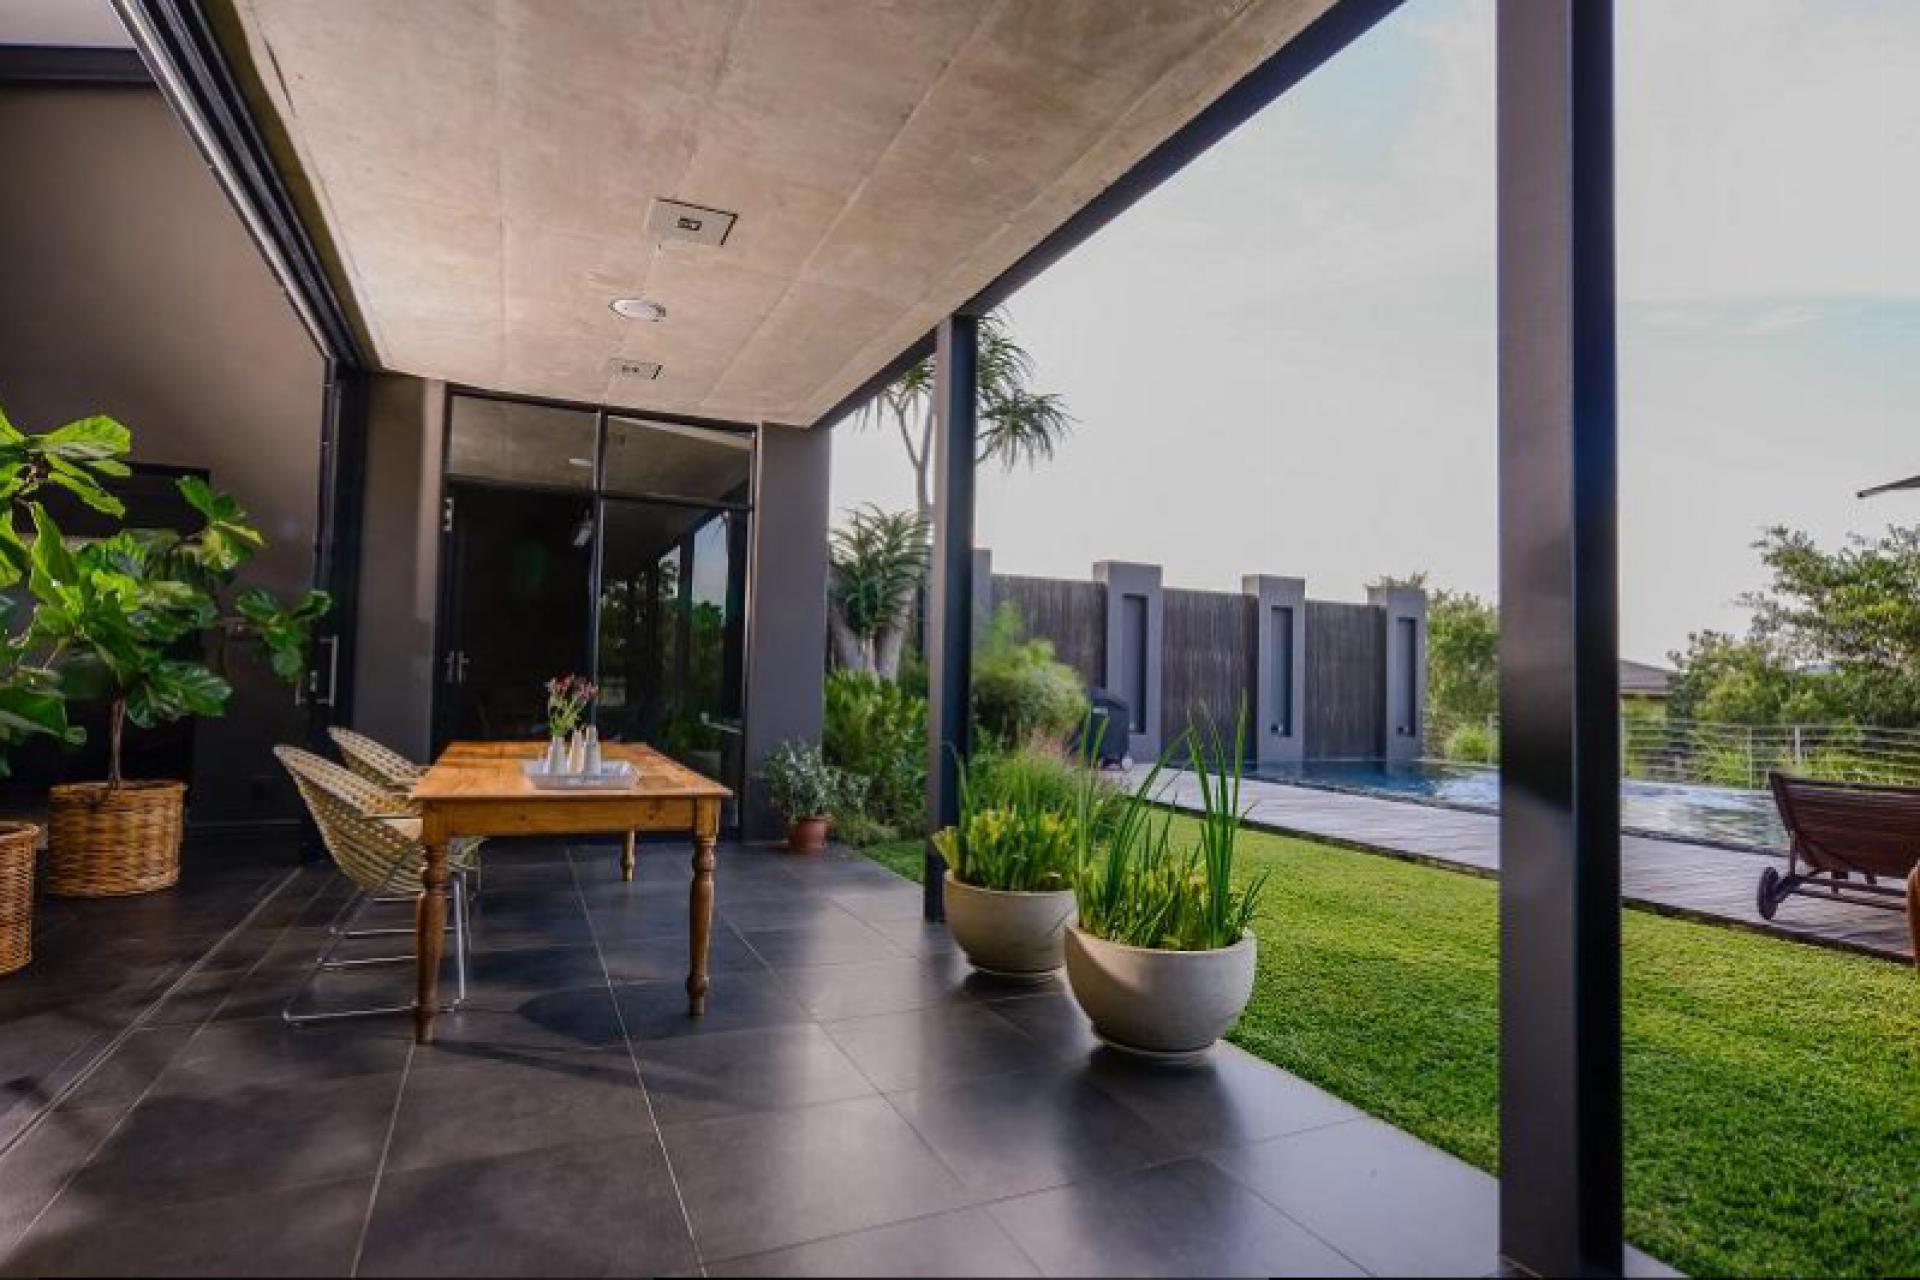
[1346, 700]
[400, 564]
[131, 289]
[787, 606]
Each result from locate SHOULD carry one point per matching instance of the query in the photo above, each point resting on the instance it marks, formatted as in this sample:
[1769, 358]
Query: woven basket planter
[18, 843]
[106, 842]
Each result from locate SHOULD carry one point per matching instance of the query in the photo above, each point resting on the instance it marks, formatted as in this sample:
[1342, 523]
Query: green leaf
[9, 434]
[86, 439]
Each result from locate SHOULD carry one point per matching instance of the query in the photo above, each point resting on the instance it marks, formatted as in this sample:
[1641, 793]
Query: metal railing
[1704, 752]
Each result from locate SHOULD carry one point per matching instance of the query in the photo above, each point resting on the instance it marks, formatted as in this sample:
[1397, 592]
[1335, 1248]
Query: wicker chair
[380, 854]
[378, 764]
[395, 774]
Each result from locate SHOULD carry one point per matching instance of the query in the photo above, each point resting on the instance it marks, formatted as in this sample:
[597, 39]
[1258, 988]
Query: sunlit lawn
[1772, 1088]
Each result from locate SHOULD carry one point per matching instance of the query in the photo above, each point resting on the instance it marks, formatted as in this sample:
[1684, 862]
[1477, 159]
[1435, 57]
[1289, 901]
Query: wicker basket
[104, 842]
[19, 841]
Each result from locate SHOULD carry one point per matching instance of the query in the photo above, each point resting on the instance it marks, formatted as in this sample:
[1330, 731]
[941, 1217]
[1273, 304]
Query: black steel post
[950, 593]
[1560, 1117]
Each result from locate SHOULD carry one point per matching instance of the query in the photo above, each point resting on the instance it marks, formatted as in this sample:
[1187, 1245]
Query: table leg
[430, 937]
[626, 857]
[700, 907]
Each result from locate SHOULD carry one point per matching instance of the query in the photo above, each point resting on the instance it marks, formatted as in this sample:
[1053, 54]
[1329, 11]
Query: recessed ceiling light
[638, 309]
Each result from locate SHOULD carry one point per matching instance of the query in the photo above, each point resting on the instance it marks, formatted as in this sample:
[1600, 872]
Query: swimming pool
[1668, 810]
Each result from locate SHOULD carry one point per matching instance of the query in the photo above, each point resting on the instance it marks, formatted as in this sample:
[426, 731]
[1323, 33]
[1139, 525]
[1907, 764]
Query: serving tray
[614, 775]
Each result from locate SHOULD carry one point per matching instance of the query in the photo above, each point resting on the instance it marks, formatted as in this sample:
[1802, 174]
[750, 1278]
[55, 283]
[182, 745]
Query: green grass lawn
[1772, 1088]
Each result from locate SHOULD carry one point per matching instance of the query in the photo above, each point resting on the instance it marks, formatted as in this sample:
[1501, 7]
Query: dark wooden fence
[1073, 615]
[1210, 652]
[1346, 681]
[1208, 649]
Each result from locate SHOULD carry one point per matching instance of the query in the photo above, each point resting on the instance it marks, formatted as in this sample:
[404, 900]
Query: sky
[1283, 361]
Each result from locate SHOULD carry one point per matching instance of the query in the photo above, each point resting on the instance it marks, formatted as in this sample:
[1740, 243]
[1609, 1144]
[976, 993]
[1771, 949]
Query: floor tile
[505, 979]
[784, 912]
[557, 1021]
[735, 1002]
[1228, 1098]
[878, 986]
[300, 1231]
[1446, 1213]
[758, 1182]
[1182, 1219]
[825, 941]
[1054, 1021]
[1008, 1134]
[700, 1077]
[899, 901]
[967, 1242]
[118, 1081]
[496, 1107]
[606, 1208]
[917, 937]
[199, 1146]
[263, 1051]
[923, 1046]
[625, 911]
[39, 1164]
[665, 958]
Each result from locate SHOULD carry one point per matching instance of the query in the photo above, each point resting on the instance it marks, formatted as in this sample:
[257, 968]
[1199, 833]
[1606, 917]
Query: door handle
[461, 668]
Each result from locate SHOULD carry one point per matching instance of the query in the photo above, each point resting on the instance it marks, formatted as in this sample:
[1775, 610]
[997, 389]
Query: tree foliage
[878, 560]
[1018, 425]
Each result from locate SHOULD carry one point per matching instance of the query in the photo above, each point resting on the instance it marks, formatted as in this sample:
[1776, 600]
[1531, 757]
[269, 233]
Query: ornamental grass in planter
[1012, 859]
[1162, 959]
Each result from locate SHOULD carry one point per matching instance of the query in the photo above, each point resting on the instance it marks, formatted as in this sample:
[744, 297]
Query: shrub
[801, 784]
[1473, 744]
[1042, 778]
[1020, 691]
[878, 731]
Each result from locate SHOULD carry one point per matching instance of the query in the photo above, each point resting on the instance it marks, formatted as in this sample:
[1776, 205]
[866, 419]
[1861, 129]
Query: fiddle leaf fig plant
[76, 457]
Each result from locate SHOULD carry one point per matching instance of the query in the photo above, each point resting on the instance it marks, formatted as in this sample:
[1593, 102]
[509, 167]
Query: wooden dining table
[481, 789]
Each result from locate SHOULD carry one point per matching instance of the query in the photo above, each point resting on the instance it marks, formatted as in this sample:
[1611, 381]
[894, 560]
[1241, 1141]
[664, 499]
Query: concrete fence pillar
[1278, 708]
[1133, 627]
[1405, 677]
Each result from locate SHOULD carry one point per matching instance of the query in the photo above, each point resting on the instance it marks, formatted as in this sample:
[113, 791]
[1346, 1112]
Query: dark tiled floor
[855, 1102]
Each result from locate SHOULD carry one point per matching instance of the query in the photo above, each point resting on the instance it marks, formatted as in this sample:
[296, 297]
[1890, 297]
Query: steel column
[1560, 1121]
[950, 592]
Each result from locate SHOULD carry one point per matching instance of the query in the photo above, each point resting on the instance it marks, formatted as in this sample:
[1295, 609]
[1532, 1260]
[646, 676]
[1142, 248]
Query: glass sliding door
[672, 595]
[582, 540]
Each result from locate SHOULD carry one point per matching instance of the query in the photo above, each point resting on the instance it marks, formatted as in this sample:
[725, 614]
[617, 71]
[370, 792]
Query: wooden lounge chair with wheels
[1845, 840]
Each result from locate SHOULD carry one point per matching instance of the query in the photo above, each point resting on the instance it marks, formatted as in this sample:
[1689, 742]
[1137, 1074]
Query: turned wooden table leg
[700, 905]
[430, 936]
[626, 856]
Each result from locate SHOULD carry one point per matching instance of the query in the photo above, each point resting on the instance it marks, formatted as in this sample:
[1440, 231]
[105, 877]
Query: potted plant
[568, 698]
[1011, 863]
[807, 791]
[123, 619]
[1162, 959]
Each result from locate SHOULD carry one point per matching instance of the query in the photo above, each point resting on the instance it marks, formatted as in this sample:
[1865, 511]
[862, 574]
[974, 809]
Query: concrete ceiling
[482, 170]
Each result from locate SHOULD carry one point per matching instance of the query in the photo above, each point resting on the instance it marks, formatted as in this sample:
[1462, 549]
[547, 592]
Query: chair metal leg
[342, 929]
[460, 939]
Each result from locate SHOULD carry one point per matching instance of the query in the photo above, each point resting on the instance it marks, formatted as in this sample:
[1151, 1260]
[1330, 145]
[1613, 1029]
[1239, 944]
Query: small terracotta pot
[807, 835]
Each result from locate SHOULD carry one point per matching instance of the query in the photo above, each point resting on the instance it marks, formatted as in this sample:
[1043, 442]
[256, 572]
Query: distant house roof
[1644, 680]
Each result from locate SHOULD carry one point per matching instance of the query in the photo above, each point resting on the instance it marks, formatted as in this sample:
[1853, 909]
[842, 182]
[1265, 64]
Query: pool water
[1669, 810]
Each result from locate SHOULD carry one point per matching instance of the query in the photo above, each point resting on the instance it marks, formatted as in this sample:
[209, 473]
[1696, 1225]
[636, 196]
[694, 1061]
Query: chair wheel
[1769, 897]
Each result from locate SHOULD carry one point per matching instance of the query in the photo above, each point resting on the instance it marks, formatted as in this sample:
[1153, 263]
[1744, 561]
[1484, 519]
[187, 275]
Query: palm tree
[1017, 424]
[878, 559]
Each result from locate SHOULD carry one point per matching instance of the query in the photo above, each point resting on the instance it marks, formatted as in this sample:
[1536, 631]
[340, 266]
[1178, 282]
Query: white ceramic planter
[1009, 935]
[1159, 1003]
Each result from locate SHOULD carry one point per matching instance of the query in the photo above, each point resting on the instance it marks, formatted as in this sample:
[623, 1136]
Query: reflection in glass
[652, 459]
[672, 612]
[512, 442]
